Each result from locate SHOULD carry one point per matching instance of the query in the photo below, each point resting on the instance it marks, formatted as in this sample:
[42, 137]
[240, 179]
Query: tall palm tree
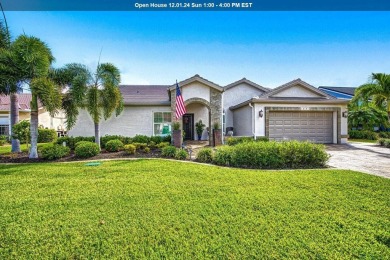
[378, 91]
[8, 84]
[96, 92]
[32, 59]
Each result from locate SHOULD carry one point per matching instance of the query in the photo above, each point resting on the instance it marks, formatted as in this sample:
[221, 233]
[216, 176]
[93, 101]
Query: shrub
[147, 150]
[166, 138]
[141, 139]
[129, 148]
[46, 135]
[363, 134]
[162, 145]
[140, 146]
[168, 151]
[387, 143]
[238, 140]
[72, 141]
[105, 139]
[3, 140]
[54, 152]
[114, 145]
[86, 149]
[384, 135]
[381, 141]
[156, 139]
[272, 155]
[152, 144]
[21, 131]
[181, 154]
[205, 155]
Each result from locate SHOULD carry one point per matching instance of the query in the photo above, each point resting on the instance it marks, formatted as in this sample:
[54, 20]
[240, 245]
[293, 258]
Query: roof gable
[248, 82]
[197, 78]
[296, 89]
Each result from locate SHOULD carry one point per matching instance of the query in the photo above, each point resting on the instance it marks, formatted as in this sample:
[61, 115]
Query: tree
[378, 90]
[96, 92]
[31, 60]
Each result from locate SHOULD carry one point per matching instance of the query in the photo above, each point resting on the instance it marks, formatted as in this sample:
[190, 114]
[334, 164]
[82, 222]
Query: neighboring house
[339, 92]
[295, 110]
[44, 118]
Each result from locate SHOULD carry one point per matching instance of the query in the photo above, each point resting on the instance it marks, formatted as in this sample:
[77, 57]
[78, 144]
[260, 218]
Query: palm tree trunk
[97, 134]
[14, 111]
[34, 128]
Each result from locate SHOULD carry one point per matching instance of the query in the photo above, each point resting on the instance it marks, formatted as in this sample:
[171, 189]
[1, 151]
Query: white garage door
[313, 126]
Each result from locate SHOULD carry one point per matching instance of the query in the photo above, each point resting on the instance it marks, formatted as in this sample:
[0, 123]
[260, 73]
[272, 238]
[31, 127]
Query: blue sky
[269, 48]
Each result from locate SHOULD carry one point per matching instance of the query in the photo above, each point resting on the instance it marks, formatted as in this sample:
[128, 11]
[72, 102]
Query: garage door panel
[314, 126]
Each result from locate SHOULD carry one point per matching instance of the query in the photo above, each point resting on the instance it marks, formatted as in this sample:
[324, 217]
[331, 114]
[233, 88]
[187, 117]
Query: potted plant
[217, 134]
[177, 134]
[199, 129]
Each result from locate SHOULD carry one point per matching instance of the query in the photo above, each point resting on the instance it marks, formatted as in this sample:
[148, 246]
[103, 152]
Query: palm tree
[8, 85]
[378, 91]
[32, 59]
[96, 92]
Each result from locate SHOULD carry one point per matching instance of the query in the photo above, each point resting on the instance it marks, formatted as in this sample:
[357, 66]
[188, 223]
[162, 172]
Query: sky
[269, 48]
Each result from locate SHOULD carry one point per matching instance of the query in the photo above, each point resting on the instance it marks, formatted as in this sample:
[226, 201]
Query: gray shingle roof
[145, 94]
[345, 90]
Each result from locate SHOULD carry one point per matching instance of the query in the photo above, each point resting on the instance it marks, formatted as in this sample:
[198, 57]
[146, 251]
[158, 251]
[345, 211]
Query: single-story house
[295, 110]
[57, 122]
[339, 92]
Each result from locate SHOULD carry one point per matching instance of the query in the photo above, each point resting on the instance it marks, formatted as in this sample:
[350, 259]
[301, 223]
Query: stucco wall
[200, 112]
[195, 90]
[235, 96]
[132, 121]
[243, 121]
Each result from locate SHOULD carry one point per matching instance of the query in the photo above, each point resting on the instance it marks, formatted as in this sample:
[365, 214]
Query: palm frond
[108, 74]
[48, 93]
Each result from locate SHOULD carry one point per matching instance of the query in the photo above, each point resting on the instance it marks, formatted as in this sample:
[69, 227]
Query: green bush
[166, 138]
[387, 143]
[381, 141]
[46, 135]
[152, 145]
[162, 145]
[54, 152]
[168, 151]
[181, 154]
[114, 145]
[72, 141]
[129, 148]
[21, 131]
[107, 138]
[245, 139]
[384, 135]
[140, 146]
[156, 139]
[272, 155]
[3, 140]
[86, 149]
[141, 139]
[147, 150]
[363, 134]
[205, 155]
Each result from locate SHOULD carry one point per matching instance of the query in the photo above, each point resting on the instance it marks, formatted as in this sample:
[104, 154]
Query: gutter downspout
[253, 121]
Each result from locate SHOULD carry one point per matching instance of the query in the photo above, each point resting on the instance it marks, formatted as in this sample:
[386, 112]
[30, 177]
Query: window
[162, 123]
[4, 130]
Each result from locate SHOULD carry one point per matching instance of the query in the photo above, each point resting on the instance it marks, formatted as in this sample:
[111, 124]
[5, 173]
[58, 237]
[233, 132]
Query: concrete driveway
[362, 157]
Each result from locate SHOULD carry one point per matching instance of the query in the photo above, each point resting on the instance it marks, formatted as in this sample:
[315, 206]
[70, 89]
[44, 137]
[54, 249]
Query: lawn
[6, 149]
[363, 141]
[166, 209]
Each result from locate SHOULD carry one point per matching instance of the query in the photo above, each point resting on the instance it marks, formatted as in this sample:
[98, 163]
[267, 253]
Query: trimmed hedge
[245, 139]
[168, 151]
[46, 135]
[54, 152]
[86, 149]
[181, 154]
[363, 134]
[205, 155]
[72, 141]
[272, 155]
[114, 145]
[105, 139]
[129, 148]
[384, 142]
[384, 135]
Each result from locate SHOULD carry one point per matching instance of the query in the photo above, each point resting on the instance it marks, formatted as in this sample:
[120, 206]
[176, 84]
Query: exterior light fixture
[261, 113]
[345, 114]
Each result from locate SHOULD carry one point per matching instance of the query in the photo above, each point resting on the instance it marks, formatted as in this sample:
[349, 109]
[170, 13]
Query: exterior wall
[237, 95]
[340, 128]
[195, 90]
[132, 121]
[243, 121]
[201, 112]
[296, 91]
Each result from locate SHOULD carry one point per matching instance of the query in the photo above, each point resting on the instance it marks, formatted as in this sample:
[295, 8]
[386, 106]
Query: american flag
[180, 107]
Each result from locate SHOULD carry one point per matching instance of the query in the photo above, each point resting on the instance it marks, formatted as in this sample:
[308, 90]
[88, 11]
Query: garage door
[313, 126]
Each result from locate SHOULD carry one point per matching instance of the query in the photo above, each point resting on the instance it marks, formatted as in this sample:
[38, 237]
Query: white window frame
[163, 122]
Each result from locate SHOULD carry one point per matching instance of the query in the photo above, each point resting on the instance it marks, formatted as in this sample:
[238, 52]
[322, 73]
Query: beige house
[57, 122]
[295, 110]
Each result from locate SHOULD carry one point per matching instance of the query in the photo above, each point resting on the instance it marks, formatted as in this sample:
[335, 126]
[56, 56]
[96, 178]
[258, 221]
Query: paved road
[363, 157]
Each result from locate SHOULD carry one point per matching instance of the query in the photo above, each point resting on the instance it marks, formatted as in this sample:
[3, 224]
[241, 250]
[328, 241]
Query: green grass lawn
[363, 141]
[165, 209]
[6, 149]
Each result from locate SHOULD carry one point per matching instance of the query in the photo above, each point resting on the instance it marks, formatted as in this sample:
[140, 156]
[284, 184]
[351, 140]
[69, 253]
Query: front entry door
[188, 126]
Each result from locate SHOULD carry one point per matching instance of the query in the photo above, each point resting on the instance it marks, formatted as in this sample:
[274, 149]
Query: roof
[344, 90]
[145, 94]
[250, 83]
[199, 79]
[24, 102]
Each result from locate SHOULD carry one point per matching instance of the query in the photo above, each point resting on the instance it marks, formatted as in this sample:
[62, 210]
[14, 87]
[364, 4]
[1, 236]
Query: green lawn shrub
[72, 141]
[162, 145]
[205, 155]
[245, 139]
[381, 141]
[181, 154]
[386, 143]
[141, 139]
[166, 138]
[54, 151]
[46, 135]
[86, 149]
[272, 155]
[152, 145]
[156, 139]
[363, 134]
[147, 150]
[129, 148]
[3, 140]
[114, 145]
[140, 146]
[384, 135]
[168, 151]
[107, 138]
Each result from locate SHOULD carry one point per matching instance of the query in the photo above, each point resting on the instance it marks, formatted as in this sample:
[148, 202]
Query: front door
[188, 126]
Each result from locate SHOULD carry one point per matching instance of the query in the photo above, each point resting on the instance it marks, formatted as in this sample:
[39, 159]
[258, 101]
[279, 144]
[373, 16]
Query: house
[57, 122]
[339, 92]
[295, 110]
